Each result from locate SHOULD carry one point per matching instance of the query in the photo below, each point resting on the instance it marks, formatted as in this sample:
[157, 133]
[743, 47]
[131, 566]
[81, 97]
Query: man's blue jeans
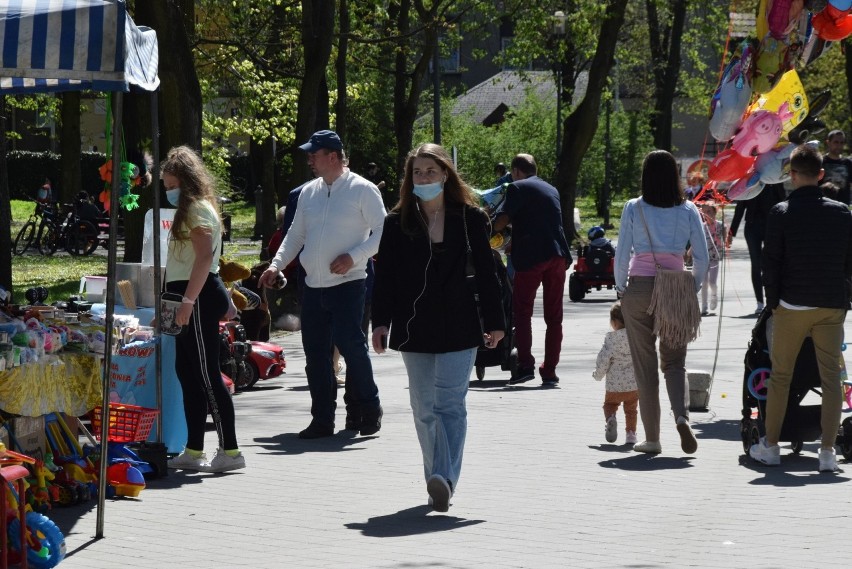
[437, 386]
[332, 317]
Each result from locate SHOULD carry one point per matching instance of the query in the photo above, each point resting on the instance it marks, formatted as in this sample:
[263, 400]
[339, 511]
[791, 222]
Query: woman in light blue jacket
[655, 231]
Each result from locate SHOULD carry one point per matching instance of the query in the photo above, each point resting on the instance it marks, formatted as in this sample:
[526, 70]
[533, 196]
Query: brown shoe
[687, 438]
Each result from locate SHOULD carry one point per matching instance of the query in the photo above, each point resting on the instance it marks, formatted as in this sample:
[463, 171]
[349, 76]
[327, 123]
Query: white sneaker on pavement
[827, 460]
[186, 461]
[611, 432]
[631, 438]
[768, 455]
[223, 463]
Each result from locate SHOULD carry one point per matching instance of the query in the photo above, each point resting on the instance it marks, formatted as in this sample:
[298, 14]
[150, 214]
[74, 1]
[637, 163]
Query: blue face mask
[173, 196]
[428, 192]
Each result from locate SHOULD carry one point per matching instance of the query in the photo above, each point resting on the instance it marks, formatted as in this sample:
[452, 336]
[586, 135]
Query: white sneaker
[631, 438]
[185, 461]
[714, 302]
[827, 460]
[759, 308]
[223, 463]
[768, 455]
[651, 447]
[611, 432]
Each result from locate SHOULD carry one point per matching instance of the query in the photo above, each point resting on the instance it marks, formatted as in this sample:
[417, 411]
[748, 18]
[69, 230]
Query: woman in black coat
[422, 299]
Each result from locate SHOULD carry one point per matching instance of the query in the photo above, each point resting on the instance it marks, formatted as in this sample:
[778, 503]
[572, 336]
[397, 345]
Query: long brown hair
[661, 185]
[456, 191]
[196, 184]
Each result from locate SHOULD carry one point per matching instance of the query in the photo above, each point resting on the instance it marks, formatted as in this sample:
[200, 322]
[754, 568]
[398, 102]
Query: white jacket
[614, 363]
[330, 221]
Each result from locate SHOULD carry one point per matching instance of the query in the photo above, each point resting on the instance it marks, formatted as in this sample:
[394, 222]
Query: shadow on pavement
[411, 521]
[622, 448]
[724, 430]
[290, 443]
[645, 462]
[794, 471]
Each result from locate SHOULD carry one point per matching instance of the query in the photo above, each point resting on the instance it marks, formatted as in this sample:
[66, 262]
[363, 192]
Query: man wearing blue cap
[337, 227]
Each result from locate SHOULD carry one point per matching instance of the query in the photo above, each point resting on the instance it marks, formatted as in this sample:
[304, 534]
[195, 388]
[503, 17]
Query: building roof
[489, 101]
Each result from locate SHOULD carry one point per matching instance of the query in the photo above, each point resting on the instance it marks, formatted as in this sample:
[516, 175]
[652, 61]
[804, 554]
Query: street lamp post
[558, 31]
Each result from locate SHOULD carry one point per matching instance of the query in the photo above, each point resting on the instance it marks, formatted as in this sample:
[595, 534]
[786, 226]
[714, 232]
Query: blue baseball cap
[327, 139]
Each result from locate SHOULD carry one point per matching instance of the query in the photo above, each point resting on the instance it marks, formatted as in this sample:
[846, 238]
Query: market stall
[78, 45]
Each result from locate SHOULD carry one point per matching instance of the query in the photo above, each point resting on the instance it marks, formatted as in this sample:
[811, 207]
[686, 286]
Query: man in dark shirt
[807, 266]
[541, 255]
[838, 170]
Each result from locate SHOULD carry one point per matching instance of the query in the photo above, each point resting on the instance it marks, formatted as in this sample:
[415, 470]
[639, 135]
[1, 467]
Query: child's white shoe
[611, 429]
[714, 302]
[631, 438]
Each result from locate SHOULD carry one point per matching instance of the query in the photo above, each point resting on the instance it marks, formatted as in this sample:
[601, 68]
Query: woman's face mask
[428, 192]
[173, 196]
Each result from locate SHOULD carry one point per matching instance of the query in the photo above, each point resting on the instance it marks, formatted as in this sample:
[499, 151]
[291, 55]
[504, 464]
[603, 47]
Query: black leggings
[754, 236]
[197, 366]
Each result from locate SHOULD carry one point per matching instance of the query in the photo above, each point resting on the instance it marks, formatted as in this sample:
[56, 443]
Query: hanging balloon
[732, 97]
[760, 131]
[788, 90]
[811, 125]
[782, 16]
[773, 167]
[729, 166]
[742, 191]
[841, 4]
[833, 24]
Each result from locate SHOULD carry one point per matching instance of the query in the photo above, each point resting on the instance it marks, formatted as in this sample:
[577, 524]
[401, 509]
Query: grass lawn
[61, 273]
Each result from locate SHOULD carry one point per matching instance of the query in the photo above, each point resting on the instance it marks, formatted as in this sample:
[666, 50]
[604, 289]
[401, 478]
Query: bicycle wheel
[48, 243]
[24, 238]
[82, 238]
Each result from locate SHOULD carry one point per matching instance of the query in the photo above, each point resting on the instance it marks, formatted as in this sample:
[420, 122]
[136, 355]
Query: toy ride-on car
[593, 270]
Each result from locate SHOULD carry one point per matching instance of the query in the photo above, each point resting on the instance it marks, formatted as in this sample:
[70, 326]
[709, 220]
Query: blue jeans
[332, 317]
[437, 386]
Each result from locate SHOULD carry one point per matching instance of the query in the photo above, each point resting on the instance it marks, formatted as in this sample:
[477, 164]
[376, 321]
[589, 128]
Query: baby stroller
[801, 422]
[594, 268]
[505, 355]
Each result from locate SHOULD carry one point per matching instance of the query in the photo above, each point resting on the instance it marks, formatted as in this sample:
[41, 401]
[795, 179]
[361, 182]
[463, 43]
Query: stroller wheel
[750, 434]
[797, 446]
[480, 373]
[757, 383]
[845, 441]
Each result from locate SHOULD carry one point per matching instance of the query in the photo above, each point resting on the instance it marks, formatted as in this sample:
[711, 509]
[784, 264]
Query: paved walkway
[540, 486]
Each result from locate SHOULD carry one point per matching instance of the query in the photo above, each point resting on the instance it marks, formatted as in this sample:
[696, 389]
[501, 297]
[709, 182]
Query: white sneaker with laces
[631, 438]
[223, 463]
[611, 432]
[827, 460]
[650, 447]
[186, 461]
[768, 455]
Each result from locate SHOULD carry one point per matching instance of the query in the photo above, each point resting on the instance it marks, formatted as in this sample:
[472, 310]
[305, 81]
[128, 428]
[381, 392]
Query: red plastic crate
[127, 423]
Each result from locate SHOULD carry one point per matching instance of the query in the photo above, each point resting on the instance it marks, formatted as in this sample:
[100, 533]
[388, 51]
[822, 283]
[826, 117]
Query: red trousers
[551, 276]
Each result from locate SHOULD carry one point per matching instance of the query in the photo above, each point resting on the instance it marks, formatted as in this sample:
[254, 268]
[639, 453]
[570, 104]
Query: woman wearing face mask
[423, 301]
[192, 270]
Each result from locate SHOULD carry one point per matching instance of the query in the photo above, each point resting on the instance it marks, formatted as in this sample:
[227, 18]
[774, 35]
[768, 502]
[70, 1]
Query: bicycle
[42, 218]
[78, 236]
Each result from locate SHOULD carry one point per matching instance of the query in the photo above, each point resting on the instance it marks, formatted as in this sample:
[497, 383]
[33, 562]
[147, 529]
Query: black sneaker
[523, 375]
[317, 431]
[549, 381]
[371, 422]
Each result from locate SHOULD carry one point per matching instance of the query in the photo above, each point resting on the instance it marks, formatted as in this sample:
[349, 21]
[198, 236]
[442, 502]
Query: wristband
[186, 300]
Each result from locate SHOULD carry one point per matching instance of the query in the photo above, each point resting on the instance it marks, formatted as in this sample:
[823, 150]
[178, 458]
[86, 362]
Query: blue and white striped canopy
[69, 45]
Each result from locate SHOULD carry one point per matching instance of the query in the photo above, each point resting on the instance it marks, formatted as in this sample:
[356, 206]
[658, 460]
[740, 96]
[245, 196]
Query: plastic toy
[126, 479]
[265, 361]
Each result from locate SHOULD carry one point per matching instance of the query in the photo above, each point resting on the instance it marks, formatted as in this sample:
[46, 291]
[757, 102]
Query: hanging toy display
[128, 176]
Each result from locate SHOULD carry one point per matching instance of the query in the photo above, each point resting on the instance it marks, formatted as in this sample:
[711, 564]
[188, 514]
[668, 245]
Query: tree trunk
[180, 92]
[69, 139]
[317, 37]
[5, 206]
[408, 85]
[665, 59]
[340, 107]
[580, 126]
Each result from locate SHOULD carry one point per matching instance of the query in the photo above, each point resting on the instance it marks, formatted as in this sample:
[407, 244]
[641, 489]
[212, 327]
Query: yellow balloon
[788, 90]
[497, 241]
[761, 21]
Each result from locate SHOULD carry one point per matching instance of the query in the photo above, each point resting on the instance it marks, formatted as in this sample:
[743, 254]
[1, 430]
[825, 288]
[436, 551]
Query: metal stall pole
[117, 107]
[155, 187]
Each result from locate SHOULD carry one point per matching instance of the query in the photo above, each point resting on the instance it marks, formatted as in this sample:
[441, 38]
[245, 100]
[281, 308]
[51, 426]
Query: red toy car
[265, 361]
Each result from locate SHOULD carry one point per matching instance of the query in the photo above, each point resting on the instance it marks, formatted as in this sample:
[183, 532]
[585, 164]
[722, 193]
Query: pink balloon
[760, 131]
